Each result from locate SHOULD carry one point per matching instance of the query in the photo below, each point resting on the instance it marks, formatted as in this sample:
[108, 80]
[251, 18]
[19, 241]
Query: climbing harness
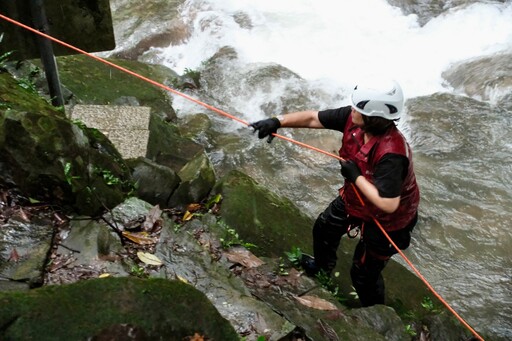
[223, 113]
[355, 232]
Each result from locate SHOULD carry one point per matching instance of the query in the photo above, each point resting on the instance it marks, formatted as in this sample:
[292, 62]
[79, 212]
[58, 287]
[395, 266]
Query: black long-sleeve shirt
[389, 172]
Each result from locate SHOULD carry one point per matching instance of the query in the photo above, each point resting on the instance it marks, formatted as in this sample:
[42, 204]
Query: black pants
[370, 256]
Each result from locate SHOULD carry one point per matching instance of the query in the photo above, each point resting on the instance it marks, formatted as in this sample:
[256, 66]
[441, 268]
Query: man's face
[357, 118]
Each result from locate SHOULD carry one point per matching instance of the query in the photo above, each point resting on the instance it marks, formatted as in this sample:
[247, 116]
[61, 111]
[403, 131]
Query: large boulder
[167, 147]
[112, 309]
[52, 159]
[155, 183]
[271, 222]
[198, 178]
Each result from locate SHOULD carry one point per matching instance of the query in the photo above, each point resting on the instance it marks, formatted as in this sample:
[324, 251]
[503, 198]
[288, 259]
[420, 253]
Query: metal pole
[46, 51]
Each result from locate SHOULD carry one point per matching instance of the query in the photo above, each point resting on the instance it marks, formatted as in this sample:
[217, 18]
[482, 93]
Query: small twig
[70, 249]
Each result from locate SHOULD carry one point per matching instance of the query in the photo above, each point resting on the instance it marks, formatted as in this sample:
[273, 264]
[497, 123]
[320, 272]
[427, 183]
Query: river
[462, 142]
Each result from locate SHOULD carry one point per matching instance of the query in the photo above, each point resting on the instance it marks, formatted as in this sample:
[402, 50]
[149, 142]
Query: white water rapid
[337, 44]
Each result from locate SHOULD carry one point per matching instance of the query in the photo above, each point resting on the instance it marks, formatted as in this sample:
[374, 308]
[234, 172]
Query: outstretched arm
[301, 119]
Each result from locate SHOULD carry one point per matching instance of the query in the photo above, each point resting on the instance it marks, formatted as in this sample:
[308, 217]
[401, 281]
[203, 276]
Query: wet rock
[54, 160]
[161, 309]
[92, 82]
[486, 79]
[427, 10]
[24, 246]
[197, 179]
[167, 147]
[155, 183]
[198, 128]
[271, 222]
[160, 18]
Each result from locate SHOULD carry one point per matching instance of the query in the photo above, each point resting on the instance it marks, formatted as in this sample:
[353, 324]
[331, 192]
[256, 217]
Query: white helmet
[386, 102]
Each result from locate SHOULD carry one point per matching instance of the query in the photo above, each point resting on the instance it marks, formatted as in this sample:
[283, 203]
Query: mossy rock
[20, 96]
[93, 82]
[261, 217]
[51, 159]
[158, 309]
[167, 147]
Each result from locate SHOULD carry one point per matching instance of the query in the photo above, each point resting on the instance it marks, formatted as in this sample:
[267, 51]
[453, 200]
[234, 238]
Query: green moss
[14, 96]
[169, 310]
[274, 224]
[93, 82]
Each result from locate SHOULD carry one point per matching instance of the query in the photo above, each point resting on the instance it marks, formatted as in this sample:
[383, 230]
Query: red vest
[366, 156]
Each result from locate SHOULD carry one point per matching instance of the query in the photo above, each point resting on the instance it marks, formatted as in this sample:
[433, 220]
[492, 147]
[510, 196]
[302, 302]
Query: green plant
[28, 85]
[428, 304]
[93, 131]
[194, 75]
[231, 237]
[409, 329]
[294, 256]
[281, 268]
[213, 200]
[138, 271]
[110, 178]
[4, 58]
[67, 173]
[354, 294]
[260, 338]
[328, 284]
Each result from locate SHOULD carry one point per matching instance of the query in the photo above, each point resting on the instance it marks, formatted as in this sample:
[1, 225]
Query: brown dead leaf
[14, 256]
[244, 257]
[23, 215]
[141, 238]
[315, 302]
[197, 337]
[193, 207]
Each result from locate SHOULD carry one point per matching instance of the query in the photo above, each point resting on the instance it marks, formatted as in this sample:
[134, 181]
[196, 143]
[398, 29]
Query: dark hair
[376, 125]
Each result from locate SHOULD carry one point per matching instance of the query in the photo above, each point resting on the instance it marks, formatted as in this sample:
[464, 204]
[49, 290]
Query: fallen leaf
[184, 280]
[104, 275]
[197, 337]
[244, 257]
[24, 215]
[215, 200]
[149, 258]
[193, 207]
[187, 216]
[14, 256]
[315, 302]
[141, 238]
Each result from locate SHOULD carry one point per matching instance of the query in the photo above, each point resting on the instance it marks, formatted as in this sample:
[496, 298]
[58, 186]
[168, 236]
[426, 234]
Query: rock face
[113, 309]
[259, 293]
[54, 160]
[488, 79]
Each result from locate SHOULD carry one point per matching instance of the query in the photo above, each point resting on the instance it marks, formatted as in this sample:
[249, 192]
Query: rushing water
[463, 241]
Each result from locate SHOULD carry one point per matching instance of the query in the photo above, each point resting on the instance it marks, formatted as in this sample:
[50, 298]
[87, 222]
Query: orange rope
[418, 272]
[223, 113]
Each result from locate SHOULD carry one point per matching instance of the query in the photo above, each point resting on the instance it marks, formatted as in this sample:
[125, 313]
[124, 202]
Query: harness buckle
[350, 232]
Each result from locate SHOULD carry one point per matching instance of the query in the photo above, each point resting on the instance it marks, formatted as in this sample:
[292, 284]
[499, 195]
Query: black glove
[349, 170]
[266, 128]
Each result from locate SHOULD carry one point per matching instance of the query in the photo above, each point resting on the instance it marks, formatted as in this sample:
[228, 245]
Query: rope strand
[223, 113]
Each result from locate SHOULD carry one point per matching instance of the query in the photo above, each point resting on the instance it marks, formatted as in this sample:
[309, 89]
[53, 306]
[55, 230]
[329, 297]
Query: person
[377, 166]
